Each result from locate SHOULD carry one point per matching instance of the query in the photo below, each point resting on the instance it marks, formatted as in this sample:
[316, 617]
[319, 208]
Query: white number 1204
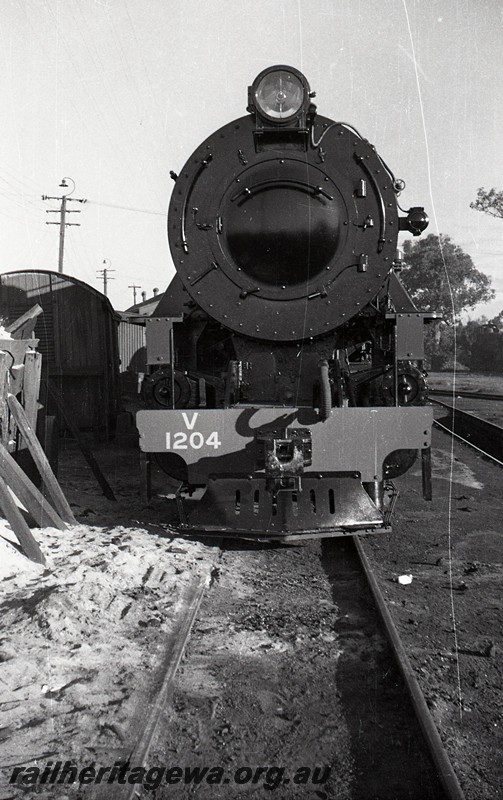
[195, 440]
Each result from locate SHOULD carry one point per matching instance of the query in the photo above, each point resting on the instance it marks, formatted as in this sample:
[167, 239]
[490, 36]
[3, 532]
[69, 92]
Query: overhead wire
[127, 208]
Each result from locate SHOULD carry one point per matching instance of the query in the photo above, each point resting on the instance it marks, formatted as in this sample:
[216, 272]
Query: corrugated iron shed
[78, 341]
[132, 349]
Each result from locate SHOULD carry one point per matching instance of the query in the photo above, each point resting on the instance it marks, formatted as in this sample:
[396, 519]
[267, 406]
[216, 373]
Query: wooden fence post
[5, 364]
[48, 478]
[18, 525]
[31, 385]
[23, 379]
[38, 507]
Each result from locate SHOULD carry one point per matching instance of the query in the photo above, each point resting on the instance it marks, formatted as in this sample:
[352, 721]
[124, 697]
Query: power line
[104, 272]
[128, 208]
[63, 211]
[134, 287]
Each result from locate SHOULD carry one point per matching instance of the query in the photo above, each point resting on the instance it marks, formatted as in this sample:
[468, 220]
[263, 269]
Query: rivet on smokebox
[404, 580]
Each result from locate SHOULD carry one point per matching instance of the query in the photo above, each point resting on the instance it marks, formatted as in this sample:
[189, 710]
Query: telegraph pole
[104, 272]
[134, 287]
[63, 211]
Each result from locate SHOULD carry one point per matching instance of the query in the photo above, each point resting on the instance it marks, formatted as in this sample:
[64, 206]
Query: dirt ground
[81, 638]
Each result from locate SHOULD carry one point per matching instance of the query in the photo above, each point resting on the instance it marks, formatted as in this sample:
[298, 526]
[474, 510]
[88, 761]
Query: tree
[498, 321]
[441, 277]
[489, 202]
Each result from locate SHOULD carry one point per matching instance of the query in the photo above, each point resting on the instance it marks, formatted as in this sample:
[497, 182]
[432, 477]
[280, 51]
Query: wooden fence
[20, 371]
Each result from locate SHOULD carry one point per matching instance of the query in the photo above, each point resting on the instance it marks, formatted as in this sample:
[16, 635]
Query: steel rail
[483, 436]
[146, 721]
[446, 774]
[471, 395]
[466, 441]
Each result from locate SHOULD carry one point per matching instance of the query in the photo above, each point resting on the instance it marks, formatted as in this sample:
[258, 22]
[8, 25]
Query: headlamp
[279, 94]
[415, 222]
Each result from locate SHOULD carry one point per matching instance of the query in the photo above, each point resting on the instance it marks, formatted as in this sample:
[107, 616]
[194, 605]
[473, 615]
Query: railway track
[475, 431]
[465, 394]
[288, 676]
[445, 772]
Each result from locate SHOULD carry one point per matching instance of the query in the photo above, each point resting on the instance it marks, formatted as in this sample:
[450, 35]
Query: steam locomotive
[285, 358]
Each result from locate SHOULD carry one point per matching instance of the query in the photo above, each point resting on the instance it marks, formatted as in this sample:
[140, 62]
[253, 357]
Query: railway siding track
[288, 669]
[478, 432]
[157, 690]
[465, 394]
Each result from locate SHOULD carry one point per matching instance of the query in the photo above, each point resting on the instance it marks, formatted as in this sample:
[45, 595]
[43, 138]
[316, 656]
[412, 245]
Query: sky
[113, 94]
